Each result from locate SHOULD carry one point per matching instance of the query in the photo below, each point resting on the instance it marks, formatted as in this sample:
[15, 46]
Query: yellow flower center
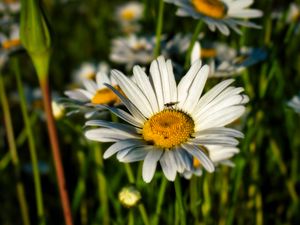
[168, 128]
[106, 96]
[11, 43]
[208, 53]
[127, 14]
[89, 76]
[212, 8]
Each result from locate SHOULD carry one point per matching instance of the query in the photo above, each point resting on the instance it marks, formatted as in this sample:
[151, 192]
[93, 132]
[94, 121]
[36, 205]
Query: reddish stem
[56, 152]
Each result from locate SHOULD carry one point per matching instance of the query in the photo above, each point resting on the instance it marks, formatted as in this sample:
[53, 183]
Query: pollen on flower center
[105, 96]
[212, 8]
[168, 128]
[11, 43]
[128, 15]
[208, 53]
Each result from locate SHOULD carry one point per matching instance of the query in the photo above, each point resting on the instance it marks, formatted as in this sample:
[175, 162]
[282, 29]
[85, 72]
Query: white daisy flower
[225, 61]
[293, 13]
[58, 109]
[95, 93]
[295, 103]
[11, 6]
[11, 41]
[86, 70]
[219, 14]
[169, 123]
[218, 155]
[130, 12]
[131, 50]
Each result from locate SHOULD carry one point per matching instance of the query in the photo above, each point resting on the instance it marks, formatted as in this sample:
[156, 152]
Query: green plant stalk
[180, 201]
[282, 167]
[194, 39]
[206, 206]
[130, 218]
[6, 159]
[161, 194]
[32, 148]
[159, 26]
[101, 182]
[80, 186]
[14, 155]
[194, 198]
[143, 214]
[56, 150]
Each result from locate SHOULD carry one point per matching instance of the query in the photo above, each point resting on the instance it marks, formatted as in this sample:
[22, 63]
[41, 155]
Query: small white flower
[219, 14]
[218, 155]
[58, 109]
[168, 123]
[95, 93]
[295, 103]
[130, 12]
[293, 13]
[11, 41]
[11, 6]
[225, 61]
[131, 50]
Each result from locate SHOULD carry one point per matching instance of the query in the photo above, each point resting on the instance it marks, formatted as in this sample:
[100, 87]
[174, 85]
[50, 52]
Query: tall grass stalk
[32, 146]
[101, 184]
[14, 155]
[159, 26]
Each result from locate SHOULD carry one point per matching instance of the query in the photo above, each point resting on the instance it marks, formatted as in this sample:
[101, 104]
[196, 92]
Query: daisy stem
[131, 218]
[44, 84]
[101, 182]
[194, 198]
[194, 39]
[160, 199]
[32, 146]
[179, 201]
[159, 26]
[129, 173]
[14, 155]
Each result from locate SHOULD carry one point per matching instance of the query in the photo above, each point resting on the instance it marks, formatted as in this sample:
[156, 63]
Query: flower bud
[35, 35]
[129, 196]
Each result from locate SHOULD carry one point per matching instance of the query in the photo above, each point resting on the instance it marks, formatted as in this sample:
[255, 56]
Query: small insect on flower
[169, 123]
[219, 14]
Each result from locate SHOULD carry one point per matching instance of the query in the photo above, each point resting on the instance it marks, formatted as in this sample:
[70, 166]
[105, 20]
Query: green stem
[32, 148]
[101, 182]
[179, 201]
[144, 214]
[159, 26]
[129, 173]
[131, 218]
[194, 198]
[160, 200]
[14, 155]
[194, 39]
[56, 150]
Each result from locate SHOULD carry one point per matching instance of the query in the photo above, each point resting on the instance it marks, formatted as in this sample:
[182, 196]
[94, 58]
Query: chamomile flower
[169, 123]
[295, 103]
[219, 14]
[218, 155]
[225, 61]
[128, 16]
[11, 6]
[131, 50]
[95, 93]
[10, 41]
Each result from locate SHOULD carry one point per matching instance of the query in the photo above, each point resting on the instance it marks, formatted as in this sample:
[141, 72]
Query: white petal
[107, 135]
[135, 155]
[129, 105]
[196, 52]
[101, 79]
[196, 89]
[186, 81]
[143, 82]
[201, 156]
[150, 163]
[121, 145]
[133, 93]
[167, 162]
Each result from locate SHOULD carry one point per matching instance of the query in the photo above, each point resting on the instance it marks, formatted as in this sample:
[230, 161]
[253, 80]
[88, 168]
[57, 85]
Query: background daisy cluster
[260, 185]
